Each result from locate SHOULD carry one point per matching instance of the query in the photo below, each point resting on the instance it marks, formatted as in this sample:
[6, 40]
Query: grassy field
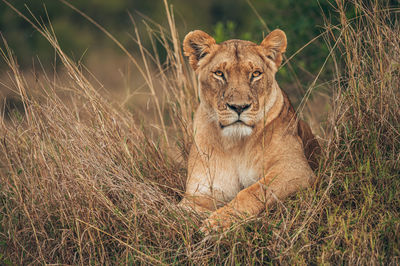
[85, 181]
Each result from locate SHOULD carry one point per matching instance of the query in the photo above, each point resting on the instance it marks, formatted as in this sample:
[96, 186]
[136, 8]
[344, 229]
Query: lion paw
[219, 220]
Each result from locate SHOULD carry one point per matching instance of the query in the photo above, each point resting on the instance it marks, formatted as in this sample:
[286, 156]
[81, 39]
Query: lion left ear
[196, 45]
[275, 45]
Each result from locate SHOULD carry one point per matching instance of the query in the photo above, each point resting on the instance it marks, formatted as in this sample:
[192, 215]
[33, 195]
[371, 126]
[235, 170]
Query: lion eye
[255, 74]
[219, 73]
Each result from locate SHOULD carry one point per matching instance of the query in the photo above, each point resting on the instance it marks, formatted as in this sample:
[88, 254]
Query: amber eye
[219, 73]
[255, 74]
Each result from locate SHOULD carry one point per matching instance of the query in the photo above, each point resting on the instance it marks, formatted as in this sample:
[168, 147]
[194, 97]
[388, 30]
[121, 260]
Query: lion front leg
[246, 203]
[254, 199]
[199, 204]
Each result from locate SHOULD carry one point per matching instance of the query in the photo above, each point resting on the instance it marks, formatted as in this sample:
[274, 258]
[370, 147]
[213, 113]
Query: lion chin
[237, 130]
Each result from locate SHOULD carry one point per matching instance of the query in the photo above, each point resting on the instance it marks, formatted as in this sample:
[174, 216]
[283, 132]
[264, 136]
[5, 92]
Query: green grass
[83, 181]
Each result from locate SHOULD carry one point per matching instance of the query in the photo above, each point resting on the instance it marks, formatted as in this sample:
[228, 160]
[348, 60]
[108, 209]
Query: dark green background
[224, 19]
[301, 20]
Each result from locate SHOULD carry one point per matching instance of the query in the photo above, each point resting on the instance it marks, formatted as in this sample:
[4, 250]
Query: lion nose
[238, 108]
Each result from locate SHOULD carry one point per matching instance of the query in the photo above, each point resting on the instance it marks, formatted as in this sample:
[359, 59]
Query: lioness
[249, 147]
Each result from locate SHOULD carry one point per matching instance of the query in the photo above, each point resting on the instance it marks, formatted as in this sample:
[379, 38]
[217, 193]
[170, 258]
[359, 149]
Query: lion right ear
[275, 45]
[196, 45]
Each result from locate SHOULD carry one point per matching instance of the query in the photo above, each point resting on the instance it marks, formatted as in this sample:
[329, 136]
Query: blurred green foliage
[75, 33]
[224, 19]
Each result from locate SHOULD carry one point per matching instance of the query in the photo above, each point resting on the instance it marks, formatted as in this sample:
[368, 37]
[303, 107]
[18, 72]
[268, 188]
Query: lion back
[312, 150]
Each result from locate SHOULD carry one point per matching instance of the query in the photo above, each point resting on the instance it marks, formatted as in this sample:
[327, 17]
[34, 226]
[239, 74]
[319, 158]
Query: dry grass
[85, 182]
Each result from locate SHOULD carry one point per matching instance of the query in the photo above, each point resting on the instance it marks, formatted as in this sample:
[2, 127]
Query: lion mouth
[237, 122]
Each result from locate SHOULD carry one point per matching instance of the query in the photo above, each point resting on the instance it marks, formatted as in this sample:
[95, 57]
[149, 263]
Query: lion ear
[275, 45]
[196, 45]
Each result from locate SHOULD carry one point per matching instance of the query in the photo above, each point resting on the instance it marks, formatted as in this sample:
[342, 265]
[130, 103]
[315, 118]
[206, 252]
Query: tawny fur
[240, 168]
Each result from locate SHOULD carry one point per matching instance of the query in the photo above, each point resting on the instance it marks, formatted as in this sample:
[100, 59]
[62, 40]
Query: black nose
[238, 108]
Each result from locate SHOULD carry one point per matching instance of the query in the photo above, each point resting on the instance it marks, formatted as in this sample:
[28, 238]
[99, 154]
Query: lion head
[237, 83]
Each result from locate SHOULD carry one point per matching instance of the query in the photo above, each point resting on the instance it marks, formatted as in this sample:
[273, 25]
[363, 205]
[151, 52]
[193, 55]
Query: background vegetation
[94, 143]
[225, 19]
